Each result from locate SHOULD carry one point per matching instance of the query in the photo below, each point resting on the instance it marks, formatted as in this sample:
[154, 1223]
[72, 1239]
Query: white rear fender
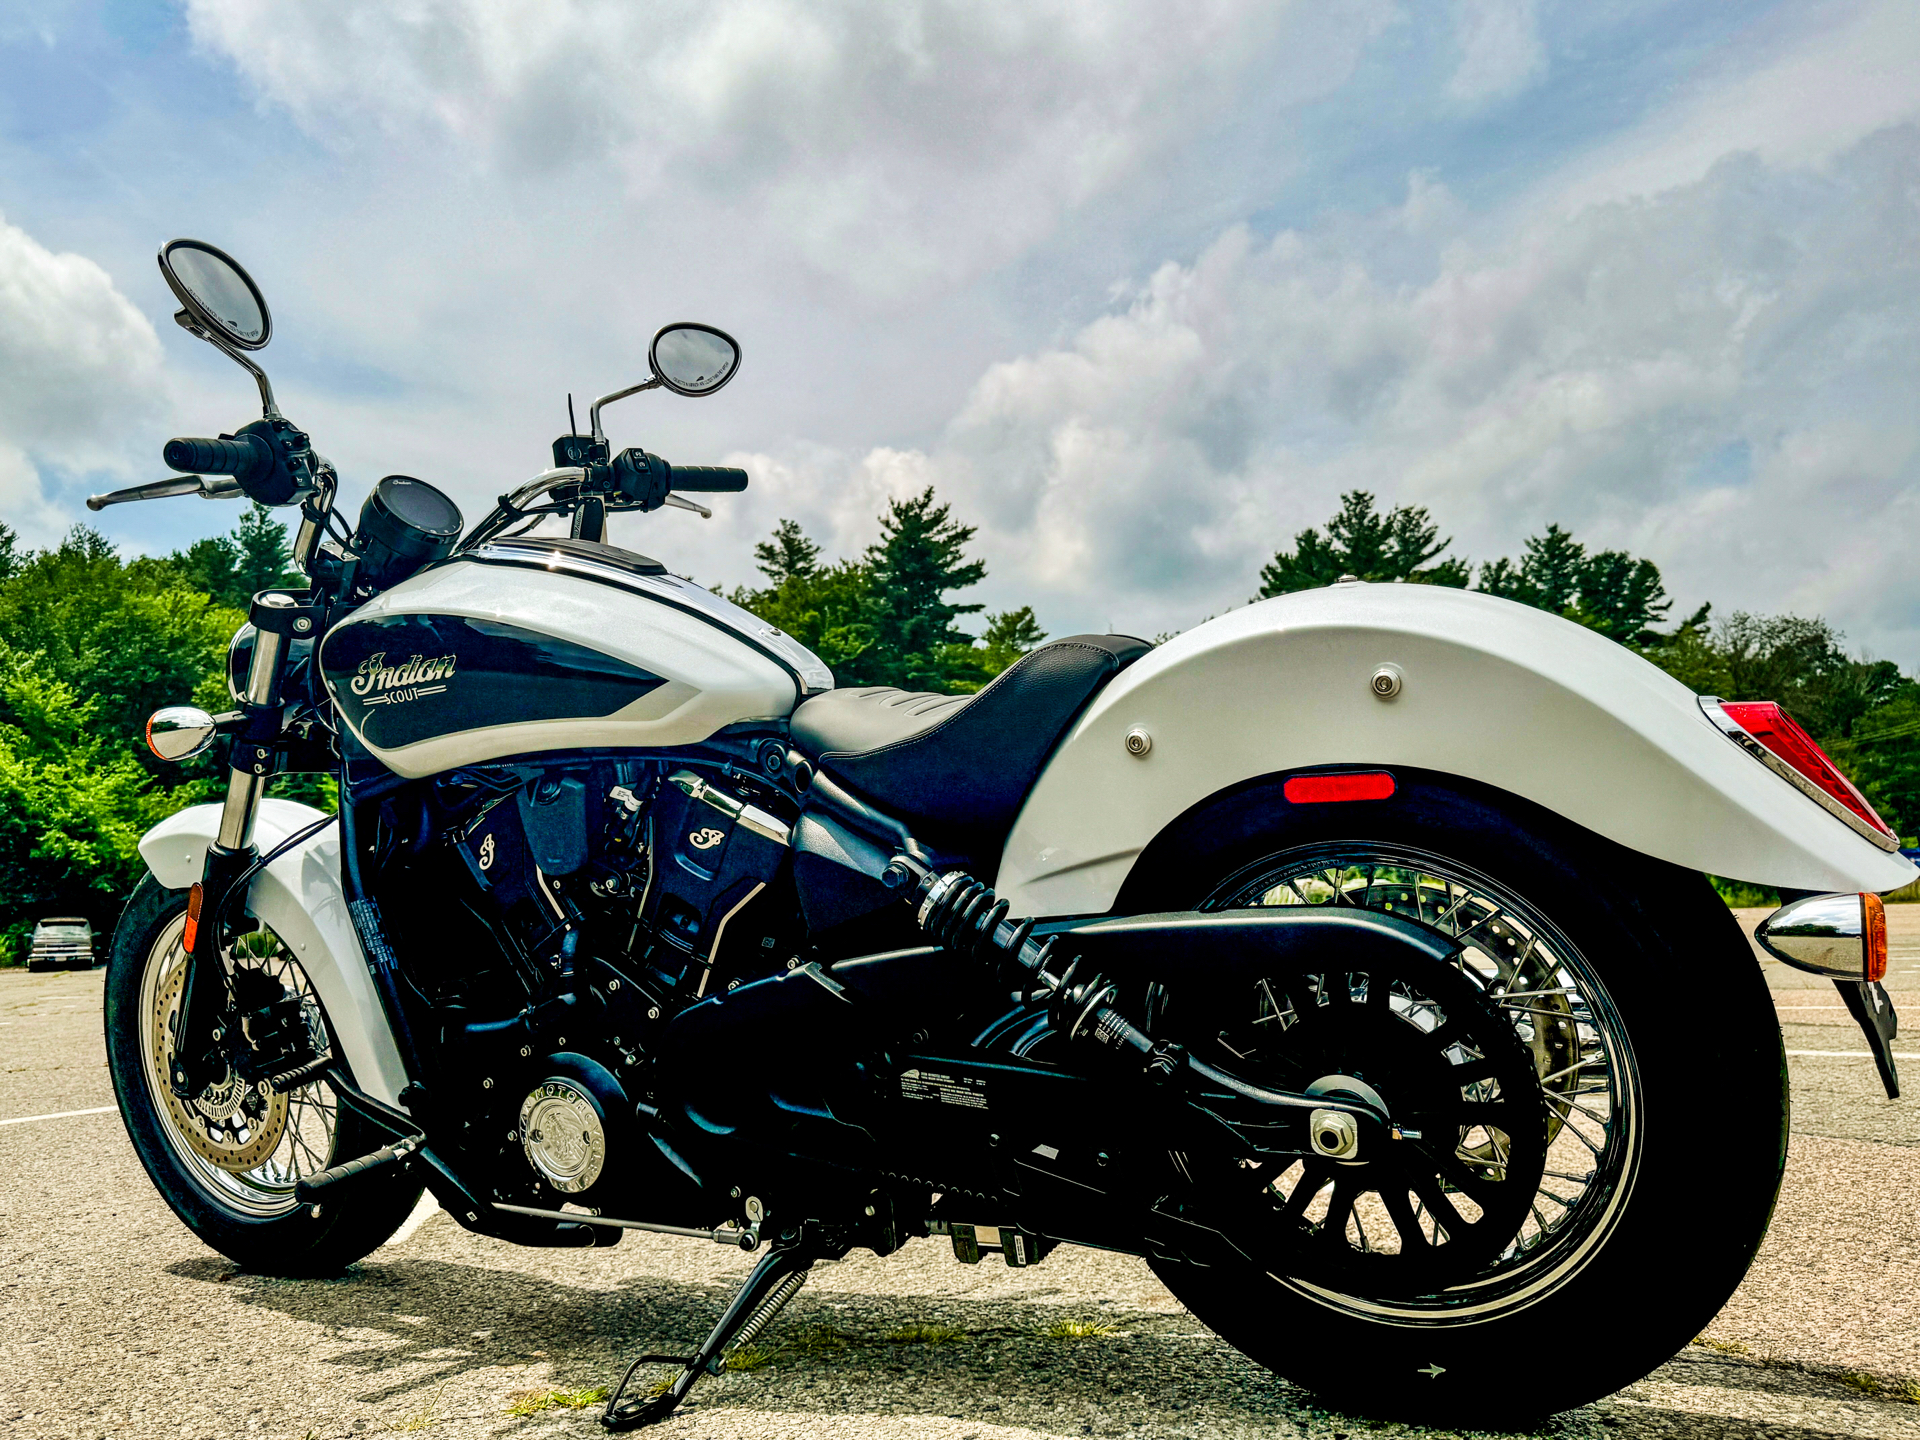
[300, 897]
[1492, 691]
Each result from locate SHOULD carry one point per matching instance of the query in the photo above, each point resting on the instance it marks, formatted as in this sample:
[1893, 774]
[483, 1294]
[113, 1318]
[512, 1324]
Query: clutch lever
[207, 487]
[679, 502]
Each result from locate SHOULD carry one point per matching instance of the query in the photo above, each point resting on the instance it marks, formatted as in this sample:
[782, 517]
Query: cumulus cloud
[894, 143]
[1721, 376]
[78, 365]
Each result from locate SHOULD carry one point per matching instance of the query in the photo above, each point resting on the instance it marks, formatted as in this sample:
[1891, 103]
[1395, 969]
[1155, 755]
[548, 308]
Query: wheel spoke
[1413, 1238]
[1313, 1177]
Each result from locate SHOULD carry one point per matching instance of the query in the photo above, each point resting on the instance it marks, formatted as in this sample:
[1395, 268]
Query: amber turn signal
[1874, 938]
[192, 932]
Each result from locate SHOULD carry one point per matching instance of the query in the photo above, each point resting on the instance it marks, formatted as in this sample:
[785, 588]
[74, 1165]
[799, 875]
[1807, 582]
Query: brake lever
[680, 502]
[214, 487]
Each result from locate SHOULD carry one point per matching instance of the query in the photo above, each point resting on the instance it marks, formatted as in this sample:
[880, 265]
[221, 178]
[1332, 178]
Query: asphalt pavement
[115, 1321]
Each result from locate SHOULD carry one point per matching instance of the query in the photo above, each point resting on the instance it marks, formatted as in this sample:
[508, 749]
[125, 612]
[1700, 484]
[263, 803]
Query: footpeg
[313, 1188]
[1017, 1248]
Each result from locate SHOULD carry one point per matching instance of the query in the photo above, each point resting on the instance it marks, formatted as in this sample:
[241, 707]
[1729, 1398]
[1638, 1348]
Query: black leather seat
[962, 764]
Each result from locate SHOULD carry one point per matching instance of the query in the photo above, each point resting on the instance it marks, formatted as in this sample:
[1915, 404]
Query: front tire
[1648, 1006]
[227, 1162]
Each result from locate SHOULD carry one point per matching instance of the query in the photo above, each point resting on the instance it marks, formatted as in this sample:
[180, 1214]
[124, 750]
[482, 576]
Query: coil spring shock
[966, 917]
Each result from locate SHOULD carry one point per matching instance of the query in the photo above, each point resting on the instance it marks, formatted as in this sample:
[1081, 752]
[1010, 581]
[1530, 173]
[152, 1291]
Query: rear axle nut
[1333, 1134]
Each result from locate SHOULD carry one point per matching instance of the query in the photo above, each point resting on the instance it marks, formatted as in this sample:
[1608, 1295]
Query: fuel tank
[534, 645]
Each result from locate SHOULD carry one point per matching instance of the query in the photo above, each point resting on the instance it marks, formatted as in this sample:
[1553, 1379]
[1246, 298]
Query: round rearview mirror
[693, 359]
[180, 732]
[218, 294]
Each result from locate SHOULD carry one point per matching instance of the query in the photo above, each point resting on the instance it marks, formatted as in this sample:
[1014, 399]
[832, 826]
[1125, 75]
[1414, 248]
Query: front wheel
[1597, 1080]
[227, 1160]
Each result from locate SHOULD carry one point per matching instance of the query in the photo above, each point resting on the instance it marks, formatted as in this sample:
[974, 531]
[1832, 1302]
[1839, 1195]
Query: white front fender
[1492, 691]
[300, 897]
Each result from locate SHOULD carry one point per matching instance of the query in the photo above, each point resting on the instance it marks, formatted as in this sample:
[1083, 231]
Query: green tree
[126, 637]
[829, 609]
[886, 619]
[254, 556]
[917, 562]
[73, 800]
[10, 557]
[1367, 545]
[1008, 636]
[1610, 591]
[789, 553]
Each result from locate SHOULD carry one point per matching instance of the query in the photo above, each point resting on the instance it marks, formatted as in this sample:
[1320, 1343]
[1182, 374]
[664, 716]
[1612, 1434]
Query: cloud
[78, 365]
[1720, 376]
[1501, 50]
[892, 143]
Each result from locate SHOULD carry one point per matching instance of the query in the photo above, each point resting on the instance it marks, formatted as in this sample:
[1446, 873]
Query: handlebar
[707, 478]
[246, 458]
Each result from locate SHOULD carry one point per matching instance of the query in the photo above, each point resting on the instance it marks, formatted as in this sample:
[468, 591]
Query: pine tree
[11, 557]
[1610, 591]
[263, 552]
[917, 561]
[791, 552]
[1366, 545]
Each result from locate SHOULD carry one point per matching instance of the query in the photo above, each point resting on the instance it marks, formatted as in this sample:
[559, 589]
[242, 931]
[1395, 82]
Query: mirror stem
[267, 407]
[593, 413]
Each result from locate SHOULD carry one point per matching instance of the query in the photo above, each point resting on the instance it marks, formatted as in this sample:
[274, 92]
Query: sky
[1139, 288]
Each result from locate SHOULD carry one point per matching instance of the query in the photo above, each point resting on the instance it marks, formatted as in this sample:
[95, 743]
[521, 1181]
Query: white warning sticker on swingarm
[919, 1085]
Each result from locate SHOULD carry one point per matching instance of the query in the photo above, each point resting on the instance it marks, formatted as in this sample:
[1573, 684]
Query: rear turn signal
[1792, 753]
[1843, 936]
[1338, 786]
[192, 932]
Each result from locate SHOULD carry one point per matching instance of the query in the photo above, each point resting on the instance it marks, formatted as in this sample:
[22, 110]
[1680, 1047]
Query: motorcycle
[1350, 957]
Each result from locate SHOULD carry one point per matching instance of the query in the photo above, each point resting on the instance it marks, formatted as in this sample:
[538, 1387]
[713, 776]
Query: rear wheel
[228, 1159]
[1596, 1166]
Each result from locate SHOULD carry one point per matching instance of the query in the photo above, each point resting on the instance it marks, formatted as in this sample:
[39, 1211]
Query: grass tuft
[1726, 1348]
[749, 1357]
[1078, 1330]
[532, 1403]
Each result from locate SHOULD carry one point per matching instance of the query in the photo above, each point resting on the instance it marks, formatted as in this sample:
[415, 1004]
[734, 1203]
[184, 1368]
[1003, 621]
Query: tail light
[1771, 736]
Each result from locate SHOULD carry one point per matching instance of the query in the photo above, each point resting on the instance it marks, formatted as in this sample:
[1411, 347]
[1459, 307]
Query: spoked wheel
[228, 1159]
[1508, 1066]
[1561, 1100]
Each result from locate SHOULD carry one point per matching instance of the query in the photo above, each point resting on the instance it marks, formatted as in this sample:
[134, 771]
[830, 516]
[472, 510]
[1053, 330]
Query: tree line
[92, 642]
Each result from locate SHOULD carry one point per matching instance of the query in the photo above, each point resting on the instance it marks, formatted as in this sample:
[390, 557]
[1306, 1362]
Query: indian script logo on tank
[378, 683]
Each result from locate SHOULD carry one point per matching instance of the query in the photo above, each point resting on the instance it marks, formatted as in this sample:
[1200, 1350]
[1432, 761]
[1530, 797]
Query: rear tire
[1668, 969]
[249, 1216]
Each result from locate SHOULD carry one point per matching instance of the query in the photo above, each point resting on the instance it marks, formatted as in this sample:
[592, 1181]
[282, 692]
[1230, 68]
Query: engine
[554, 919]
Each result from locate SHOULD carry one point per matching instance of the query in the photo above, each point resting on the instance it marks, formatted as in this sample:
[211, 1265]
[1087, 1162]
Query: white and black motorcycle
[1350, 957]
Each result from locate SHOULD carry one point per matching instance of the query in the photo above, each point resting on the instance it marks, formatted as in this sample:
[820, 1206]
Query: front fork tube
[203, 997]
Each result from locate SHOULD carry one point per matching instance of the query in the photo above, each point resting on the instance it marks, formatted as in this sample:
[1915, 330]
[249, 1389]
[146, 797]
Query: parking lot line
[1898, 1055]
[58, 1115]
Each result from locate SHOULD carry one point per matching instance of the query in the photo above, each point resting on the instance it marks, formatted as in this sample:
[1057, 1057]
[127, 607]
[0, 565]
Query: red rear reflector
[188, 936]
[1874, 938]
[1775, 729]
[1340, 786]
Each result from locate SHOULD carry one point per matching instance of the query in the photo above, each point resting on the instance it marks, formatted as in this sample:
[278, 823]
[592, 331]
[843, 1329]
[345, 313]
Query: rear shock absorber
[966, 917]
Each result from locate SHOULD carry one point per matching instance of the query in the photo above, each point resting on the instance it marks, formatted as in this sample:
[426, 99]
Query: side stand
[770, 1286]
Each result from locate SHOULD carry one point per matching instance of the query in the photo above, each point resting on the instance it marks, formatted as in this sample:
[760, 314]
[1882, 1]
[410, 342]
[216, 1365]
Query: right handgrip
[707, 478]
[246, 458]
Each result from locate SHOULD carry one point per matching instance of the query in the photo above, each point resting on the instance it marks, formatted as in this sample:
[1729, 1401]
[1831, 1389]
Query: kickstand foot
[768, 1288]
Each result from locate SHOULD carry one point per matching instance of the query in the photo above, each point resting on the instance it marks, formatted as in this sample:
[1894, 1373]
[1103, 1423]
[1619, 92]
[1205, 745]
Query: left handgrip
[245, 458]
